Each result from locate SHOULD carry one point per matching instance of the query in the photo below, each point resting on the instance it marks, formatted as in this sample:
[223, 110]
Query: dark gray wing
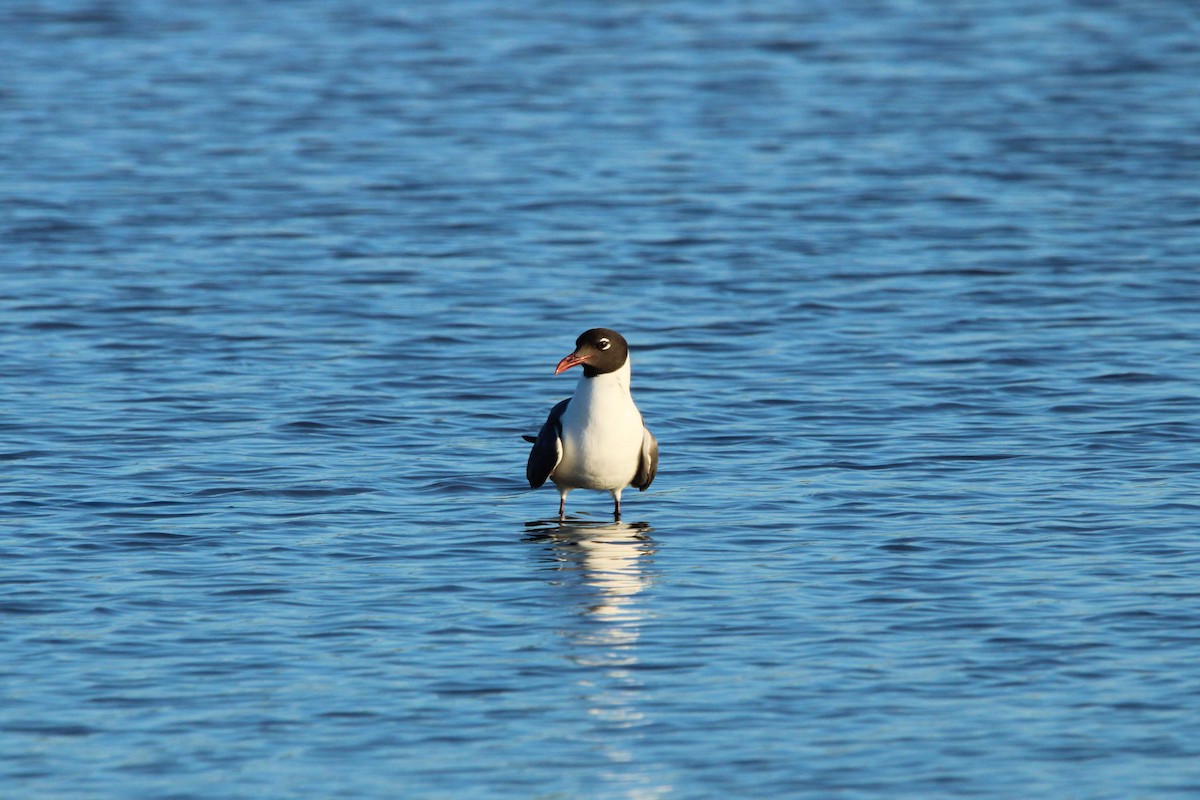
[648, 462]
[547, 448]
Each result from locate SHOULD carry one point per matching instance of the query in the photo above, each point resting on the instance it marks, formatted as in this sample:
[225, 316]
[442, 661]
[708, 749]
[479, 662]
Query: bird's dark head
[599, 350]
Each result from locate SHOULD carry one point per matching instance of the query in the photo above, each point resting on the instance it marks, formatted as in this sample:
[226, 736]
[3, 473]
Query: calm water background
[913, 292]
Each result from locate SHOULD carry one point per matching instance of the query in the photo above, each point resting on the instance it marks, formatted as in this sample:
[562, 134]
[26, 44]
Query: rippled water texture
[912, 290]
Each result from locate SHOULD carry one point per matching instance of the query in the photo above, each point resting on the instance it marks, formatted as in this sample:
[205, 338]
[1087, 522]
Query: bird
[595, 439]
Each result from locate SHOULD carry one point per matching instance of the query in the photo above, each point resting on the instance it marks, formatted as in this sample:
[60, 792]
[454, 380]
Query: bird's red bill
[568, 362]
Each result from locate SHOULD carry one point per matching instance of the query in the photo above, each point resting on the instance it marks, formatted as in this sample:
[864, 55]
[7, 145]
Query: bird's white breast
[601, 434]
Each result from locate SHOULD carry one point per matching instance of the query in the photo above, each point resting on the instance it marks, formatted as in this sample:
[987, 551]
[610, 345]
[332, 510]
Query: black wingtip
[528, 438]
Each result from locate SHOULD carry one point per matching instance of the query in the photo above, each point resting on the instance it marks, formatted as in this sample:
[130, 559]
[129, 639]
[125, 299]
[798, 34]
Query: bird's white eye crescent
[603, 344]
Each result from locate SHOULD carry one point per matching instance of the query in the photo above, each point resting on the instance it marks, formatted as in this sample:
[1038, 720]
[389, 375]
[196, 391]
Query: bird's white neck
[618, 377]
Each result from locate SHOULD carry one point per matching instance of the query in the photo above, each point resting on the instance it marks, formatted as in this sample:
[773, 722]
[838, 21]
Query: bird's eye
[603, 344]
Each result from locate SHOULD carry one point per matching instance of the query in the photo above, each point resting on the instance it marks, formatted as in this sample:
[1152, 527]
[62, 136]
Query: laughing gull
[596, 439]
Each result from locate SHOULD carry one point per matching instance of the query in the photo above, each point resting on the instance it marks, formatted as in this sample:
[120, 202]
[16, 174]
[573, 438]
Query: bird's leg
[562, 505]
[616, 496]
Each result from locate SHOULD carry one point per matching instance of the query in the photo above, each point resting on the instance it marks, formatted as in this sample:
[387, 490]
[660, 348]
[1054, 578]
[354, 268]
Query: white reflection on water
[611, 563]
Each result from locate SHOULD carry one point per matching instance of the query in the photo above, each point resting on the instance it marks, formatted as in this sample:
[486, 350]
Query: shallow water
[912, 293]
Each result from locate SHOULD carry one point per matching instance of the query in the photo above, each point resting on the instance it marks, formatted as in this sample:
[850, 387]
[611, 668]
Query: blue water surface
[913, 294]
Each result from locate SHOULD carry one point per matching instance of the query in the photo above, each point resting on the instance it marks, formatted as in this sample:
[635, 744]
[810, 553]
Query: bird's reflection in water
[611, 560]
[607, 566]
